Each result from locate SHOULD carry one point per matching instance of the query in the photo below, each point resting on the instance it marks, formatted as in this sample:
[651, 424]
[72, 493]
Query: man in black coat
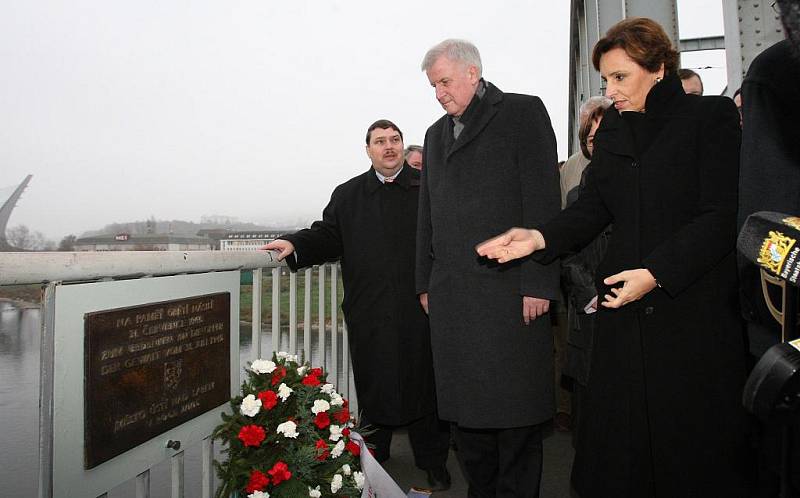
[370, 226]
[769, 180]
[489, 162]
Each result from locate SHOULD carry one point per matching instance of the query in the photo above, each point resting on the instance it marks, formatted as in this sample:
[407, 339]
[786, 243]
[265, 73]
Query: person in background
[664, 414]
[370, 226]
[570, 173]
[570, 176]
[489, 161]
[413, 155]
[769, 180]
[692, 84]
[737, 99]
[578, 276]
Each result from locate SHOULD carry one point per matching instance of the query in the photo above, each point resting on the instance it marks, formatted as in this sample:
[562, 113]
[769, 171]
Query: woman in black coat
[664, 414]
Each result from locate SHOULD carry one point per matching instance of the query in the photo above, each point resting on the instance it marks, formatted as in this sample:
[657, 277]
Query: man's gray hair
[412, 148]
[592, 103]
[455, 50]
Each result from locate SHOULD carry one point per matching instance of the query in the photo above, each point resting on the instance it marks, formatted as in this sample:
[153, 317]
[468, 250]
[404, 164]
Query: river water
[20, 330]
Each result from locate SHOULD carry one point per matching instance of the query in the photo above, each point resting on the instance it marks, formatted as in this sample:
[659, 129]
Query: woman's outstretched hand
[513, 244]
[636, 283]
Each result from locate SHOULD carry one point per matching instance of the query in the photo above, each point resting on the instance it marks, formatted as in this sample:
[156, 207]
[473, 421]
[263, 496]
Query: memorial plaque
[151, 368]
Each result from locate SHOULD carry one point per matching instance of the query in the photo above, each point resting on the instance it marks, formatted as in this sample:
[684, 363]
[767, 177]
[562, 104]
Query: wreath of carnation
[288, 436]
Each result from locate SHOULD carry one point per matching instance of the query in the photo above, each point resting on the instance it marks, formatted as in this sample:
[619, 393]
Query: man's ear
[473, 74]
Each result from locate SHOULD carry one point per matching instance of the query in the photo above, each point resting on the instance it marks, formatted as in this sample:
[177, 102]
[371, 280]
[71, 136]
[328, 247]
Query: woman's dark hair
[644, 40]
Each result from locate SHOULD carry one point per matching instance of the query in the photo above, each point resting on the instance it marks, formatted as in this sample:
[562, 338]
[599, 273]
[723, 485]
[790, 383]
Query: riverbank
[22, 296]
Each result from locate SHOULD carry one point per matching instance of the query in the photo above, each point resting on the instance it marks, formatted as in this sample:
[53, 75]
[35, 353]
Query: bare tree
[21, 237]
[67, 243]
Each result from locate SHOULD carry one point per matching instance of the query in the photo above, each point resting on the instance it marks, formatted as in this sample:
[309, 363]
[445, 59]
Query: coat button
[648, 310]
[634, 164]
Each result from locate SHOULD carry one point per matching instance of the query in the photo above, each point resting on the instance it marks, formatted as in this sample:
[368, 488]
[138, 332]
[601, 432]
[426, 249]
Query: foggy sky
[252, 109]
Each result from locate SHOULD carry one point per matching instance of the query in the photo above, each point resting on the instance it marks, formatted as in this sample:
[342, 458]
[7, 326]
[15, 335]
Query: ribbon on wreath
[377, 483]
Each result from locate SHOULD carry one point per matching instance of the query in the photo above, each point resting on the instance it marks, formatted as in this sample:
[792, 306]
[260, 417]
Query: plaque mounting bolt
[174, 445]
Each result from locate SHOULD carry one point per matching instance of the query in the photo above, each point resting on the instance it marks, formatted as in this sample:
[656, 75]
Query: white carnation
[359, 478]
[250, 406]
[320, 405]
[336, 483]
[337, 450]
[288, 429]
[327, 388]
[336, 399]
[346, 469]
[262, 366]
[258, 494]
[336, 432]
[284, 391]
[314, 492]
[302, 370]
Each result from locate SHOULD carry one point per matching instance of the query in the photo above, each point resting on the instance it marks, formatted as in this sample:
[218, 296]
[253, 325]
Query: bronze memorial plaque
[150, 368]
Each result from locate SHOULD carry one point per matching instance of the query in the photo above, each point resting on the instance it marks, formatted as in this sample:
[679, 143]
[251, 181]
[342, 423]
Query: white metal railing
[53, 268]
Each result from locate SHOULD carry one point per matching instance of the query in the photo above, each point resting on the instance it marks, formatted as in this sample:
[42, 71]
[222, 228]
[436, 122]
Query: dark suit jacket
[370, 227]
[492, 371]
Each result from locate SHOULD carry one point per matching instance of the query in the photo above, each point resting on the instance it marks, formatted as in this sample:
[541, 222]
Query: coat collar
[479, 116]
[408, 177]
[615, 137]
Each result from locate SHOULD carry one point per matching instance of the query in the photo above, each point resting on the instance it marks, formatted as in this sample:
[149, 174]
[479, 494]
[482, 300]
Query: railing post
[255, 330]
[346, 359]
[321, 299]
[207, 477]
[334, 368]
[176, 467]
[307, 316]
[292, 313]
[143, 485]
[47, 365]
[276, 309]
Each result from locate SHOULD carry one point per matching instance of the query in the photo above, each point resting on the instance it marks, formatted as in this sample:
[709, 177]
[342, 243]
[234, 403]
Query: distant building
[143, 242]
[219, 219]
[214, 235]
[249, 241]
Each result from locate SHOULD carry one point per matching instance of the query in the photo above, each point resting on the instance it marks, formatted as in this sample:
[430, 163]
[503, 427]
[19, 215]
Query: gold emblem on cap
[792, 221]
[774, 250]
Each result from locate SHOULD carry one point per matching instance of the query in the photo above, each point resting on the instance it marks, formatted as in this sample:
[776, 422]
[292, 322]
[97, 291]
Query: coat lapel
[487, 108]
[614, 136]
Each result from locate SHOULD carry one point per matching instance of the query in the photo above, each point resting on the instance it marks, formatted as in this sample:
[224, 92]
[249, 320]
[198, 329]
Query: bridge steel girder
[750, 27]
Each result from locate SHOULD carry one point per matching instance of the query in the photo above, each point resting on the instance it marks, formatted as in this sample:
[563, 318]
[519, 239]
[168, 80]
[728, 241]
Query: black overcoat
[371, 227]
[664, 410]
[492, 371]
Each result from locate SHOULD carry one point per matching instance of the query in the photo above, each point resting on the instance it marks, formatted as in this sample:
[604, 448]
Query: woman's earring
[658, 80]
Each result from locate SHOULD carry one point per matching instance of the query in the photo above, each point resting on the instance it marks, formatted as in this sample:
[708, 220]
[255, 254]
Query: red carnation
[279, 473]
[277, 375]
[345, 431]
[258, 481]
[342, 416]
[315, 372]
[353, 448]
[322, 445]
[310, 380]
[322, 420]
[252, 435]
[268, 399]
